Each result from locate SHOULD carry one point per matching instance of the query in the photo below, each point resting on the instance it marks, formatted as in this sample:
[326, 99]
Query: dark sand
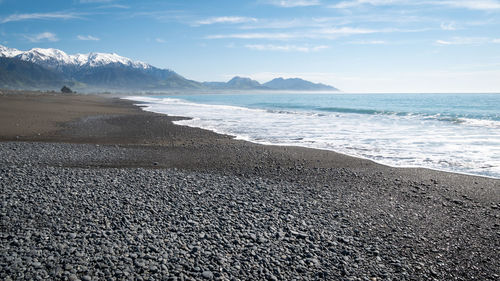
[443, 226]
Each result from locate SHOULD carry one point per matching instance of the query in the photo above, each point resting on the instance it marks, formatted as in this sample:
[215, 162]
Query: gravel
[61, 221]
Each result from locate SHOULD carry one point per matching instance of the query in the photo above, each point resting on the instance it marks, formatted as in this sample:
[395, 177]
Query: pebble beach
[94, 188]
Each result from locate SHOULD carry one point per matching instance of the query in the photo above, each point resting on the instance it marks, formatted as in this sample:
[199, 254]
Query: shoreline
[112, 106]
[104, 172]
[143, 106]
[346, 154]
[332, 150]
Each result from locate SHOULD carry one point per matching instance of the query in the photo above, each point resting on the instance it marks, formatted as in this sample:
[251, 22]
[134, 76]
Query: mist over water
[451, 132]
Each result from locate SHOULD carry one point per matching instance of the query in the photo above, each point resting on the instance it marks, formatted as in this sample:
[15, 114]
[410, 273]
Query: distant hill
[297, 84]
[242, 83]
[291, 84]
[236, 83]
[51, 68]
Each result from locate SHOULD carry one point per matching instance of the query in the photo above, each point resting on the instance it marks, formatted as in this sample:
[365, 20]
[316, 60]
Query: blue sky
[355, 45]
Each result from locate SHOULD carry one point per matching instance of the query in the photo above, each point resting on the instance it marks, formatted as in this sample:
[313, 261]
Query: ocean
[449, 132]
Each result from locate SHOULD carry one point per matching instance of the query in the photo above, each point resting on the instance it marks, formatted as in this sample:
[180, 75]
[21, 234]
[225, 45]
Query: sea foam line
[220, 117]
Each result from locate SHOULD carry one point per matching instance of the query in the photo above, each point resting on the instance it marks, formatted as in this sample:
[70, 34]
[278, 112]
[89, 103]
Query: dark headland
[94, 188]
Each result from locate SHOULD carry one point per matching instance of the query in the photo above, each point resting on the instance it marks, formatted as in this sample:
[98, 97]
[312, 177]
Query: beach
[95, 188]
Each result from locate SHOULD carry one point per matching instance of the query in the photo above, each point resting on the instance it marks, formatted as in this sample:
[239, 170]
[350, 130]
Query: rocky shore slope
[130, 196]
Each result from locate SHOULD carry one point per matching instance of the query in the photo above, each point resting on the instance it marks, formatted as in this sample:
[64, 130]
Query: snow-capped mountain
[86, 72]
[9, 52]
[99, 59]
[49, 69]
[54, 58]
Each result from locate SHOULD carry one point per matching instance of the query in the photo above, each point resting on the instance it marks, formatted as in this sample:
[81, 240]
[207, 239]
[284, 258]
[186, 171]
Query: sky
[355, 45]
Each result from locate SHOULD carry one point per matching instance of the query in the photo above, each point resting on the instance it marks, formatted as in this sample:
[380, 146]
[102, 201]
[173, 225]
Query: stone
[207, 274]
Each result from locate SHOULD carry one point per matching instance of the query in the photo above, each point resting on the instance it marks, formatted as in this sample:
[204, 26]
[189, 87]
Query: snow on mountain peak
[96, 59]
[9, 52]
[49, 56]
[55, 58]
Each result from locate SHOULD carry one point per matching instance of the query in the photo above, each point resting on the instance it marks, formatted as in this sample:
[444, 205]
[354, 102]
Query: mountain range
[49, 69]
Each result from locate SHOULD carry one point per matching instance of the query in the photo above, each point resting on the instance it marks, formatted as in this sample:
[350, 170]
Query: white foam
[403, 141]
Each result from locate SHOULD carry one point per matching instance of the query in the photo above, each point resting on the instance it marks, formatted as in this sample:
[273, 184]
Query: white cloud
[160, 40]
[254, 36]
[464, 41]
[496, 41]
[294, 3]
[443, 42]
[322, 33]
[467, 4]
[347, 31]
[286, 48]
[215, 20]
[369, 42]
[87, 38]
[449, 26]
[285, 23]
[332, 33]
[472, 4]
[396, 18]
[39, 16]
[356, 3]
[44, 36]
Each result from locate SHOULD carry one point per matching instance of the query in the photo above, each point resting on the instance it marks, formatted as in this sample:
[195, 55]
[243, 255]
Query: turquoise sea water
[451, 132]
